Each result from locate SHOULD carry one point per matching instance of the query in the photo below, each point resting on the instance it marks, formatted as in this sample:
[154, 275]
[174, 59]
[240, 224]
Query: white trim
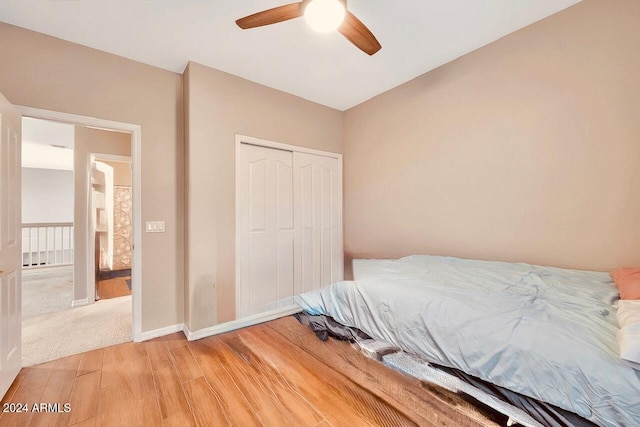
[112, 157]
[239, 290]
[287, 147]
[155, 333]
[91, 237]
[340, 220]
[79, 302]
[241, 323]
[136, 181]
[243, 139]
[136, 230]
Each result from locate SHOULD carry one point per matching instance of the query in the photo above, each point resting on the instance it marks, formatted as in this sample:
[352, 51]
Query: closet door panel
[285, 237]
[328, 222]
[316, 200]
[303, 224]
[288, 225]
[265, 229]
[258, 195]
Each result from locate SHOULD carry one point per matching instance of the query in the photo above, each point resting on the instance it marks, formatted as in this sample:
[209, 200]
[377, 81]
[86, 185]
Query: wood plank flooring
[113, 288]
[274, 374]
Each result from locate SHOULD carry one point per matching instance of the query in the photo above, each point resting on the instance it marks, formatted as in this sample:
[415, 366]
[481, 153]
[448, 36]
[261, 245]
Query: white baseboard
[79, 302]
[241, 323]
[155, 333]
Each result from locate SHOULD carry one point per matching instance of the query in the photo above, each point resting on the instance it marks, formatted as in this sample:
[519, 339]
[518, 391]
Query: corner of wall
[185, 193]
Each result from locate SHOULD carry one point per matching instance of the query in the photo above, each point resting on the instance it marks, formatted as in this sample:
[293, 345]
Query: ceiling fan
[321, 15]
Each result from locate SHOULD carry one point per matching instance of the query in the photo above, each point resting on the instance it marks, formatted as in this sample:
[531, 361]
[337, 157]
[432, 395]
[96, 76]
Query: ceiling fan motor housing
[305, 3]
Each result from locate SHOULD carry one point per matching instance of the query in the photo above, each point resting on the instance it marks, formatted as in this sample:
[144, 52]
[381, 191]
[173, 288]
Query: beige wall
[88, 141]
[44, 72]
[525, 150]
[219, 106]
[121, 172]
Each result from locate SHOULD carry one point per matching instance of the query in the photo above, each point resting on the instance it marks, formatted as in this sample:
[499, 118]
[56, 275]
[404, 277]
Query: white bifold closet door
[318, 246]
[266, 234]
[288, 223]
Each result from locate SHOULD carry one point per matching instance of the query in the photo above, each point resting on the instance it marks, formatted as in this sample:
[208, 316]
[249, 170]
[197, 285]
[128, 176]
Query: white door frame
[91, 253]
[242, 139]
[136, 182]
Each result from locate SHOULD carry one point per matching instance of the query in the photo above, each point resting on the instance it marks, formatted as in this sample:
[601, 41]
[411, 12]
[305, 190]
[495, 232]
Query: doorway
[59, 314]
[133, 132]
[110, 226]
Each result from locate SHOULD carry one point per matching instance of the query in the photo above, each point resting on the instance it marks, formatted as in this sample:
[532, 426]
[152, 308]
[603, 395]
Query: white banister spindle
[32, 252]
[55, 248]
[46, 243]
[30, 247]
[38, 252]
[63, 261]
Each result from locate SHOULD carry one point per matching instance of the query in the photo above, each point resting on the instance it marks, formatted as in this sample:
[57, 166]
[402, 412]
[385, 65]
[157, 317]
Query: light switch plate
[155, 226]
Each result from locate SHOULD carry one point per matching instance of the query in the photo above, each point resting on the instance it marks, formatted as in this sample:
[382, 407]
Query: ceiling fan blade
[358, 34]
[271, 16]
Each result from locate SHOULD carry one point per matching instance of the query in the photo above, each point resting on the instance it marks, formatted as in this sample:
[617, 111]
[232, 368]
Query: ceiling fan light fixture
[324, 16]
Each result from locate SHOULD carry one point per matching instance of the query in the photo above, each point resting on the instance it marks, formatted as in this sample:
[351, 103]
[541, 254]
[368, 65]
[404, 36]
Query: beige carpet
[46, 290]
[52, 329]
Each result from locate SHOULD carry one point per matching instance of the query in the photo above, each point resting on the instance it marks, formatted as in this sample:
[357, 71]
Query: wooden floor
[274, 374]
[113, 288]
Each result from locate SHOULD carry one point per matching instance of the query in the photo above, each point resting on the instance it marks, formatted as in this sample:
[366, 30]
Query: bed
[543, 332]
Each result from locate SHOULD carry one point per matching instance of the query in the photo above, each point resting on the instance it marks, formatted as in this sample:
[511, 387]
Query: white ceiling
[416, 36]
[38, 140]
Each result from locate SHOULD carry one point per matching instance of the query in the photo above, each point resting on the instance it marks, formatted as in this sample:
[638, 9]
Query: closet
[288, 224]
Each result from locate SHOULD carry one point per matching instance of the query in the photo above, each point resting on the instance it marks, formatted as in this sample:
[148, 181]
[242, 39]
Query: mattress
[543, 332]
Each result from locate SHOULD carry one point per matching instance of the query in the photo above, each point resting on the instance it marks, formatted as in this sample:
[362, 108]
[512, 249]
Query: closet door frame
[243, 139]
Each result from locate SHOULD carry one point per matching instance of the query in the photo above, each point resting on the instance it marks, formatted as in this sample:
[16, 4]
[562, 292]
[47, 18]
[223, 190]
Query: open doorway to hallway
[63, 314]
[111, 205]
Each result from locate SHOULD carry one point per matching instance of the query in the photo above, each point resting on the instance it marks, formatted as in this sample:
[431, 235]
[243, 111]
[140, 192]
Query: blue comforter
[544, 332]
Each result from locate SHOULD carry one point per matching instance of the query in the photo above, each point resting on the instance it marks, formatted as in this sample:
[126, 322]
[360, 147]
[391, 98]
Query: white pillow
[628, 316]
